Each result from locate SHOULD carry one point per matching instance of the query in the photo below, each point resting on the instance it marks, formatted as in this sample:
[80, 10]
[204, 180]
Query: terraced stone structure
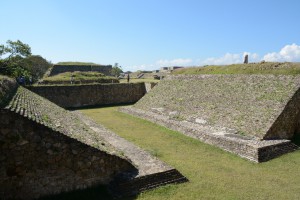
[254, 116]
[104, 69]
[72, 96]
[46, 150]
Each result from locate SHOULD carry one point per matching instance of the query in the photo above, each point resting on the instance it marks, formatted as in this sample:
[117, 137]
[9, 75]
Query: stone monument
[246, 59]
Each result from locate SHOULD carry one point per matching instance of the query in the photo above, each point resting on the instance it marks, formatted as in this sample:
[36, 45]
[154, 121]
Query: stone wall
[37, 161]
[91, 95]
[246, 147]
[150, 86]
[263, 106]
[57, 69]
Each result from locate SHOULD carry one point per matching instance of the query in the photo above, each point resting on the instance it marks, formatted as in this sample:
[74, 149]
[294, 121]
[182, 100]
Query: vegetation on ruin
[80, 77]
[213, 173]
[275, 68]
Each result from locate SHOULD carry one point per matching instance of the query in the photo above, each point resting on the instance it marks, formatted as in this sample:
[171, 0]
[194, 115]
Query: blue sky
[148, 34]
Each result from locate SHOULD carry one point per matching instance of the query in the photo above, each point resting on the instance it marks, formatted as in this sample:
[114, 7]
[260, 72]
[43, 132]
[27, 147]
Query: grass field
[251, 68]
[213, 173]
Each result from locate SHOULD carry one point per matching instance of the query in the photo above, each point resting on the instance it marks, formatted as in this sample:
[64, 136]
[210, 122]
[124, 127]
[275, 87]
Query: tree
[18, 61]
[36, 65]
[116, 70]
[15, 52]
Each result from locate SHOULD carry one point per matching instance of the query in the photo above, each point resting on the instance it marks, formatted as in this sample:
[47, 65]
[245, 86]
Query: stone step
[130, 187]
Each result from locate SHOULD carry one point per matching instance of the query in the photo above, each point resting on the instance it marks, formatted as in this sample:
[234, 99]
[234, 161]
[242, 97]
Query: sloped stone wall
[91, 95]
[37, 161]
[57, 69]
[263, 106]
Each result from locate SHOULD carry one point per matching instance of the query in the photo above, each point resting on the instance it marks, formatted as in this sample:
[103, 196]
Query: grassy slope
[251, 68]
[213, 173]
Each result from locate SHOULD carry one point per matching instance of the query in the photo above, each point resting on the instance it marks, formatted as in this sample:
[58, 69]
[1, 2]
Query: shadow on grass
[100, 106]
[93, 193]
[296, 139]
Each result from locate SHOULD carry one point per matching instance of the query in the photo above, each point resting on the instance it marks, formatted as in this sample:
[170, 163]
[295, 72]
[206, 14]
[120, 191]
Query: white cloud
[230, 58]
[175, 62]
[290, 53]
[142, 67]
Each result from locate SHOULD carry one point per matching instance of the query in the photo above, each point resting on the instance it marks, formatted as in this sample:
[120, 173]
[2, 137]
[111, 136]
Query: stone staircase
[125, 185]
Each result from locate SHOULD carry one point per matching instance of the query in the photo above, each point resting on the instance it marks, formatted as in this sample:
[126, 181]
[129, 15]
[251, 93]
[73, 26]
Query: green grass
[213, 173]
[251, 68]
[79, 76]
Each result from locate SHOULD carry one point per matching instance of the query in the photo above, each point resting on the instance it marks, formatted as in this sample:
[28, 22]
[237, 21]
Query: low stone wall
[37, 161]
[244, 146]
[90, 95]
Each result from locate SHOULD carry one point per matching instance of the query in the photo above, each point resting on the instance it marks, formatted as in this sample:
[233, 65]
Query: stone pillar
[246, 59]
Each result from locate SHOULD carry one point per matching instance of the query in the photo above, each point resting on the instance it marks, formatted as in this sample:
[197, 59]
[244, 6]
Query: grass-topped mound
[79, 78]
[264, 106]
[251, 68]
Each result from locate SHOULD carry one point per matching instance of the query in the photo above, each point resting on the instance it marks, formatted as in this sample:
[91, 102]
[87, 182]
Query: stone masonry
[91, 95]
[262, 106]
[253, 116]
[46, 150]
[104, 69]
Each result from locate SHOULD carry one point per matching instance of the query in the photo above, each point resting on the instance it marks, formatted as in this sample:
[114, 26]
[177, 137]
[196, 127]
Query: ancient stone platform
[46, 150]
[254, 116]
[247, 147]
[151, 171]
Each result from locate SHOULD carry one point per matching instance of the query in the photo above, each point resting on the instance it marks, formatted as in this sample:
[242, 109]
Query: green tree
[36, 65]
[18, 61]
[116, 70]
[14, 53]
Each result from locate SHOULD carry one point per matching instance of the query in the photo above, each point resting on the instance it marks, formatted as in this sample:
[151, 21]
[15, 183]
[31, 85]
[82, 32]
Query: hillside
[275, 68]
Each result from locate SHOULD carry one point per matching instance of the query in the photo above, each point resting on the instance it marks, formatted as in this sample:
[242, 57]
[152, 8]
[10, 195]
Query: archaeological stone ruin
[57, 69]
[47, 150]
[253, 116]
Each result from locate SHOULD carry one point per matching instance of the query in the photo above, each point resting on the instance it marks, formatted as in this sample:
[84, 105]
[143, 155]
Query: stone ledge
[250, 148]
[128, 187]
[152, 172]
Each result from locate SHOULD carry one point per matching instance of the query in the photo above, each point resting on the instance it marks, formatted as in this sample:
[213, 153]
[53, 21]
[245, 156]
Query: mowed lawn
[213, 173]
